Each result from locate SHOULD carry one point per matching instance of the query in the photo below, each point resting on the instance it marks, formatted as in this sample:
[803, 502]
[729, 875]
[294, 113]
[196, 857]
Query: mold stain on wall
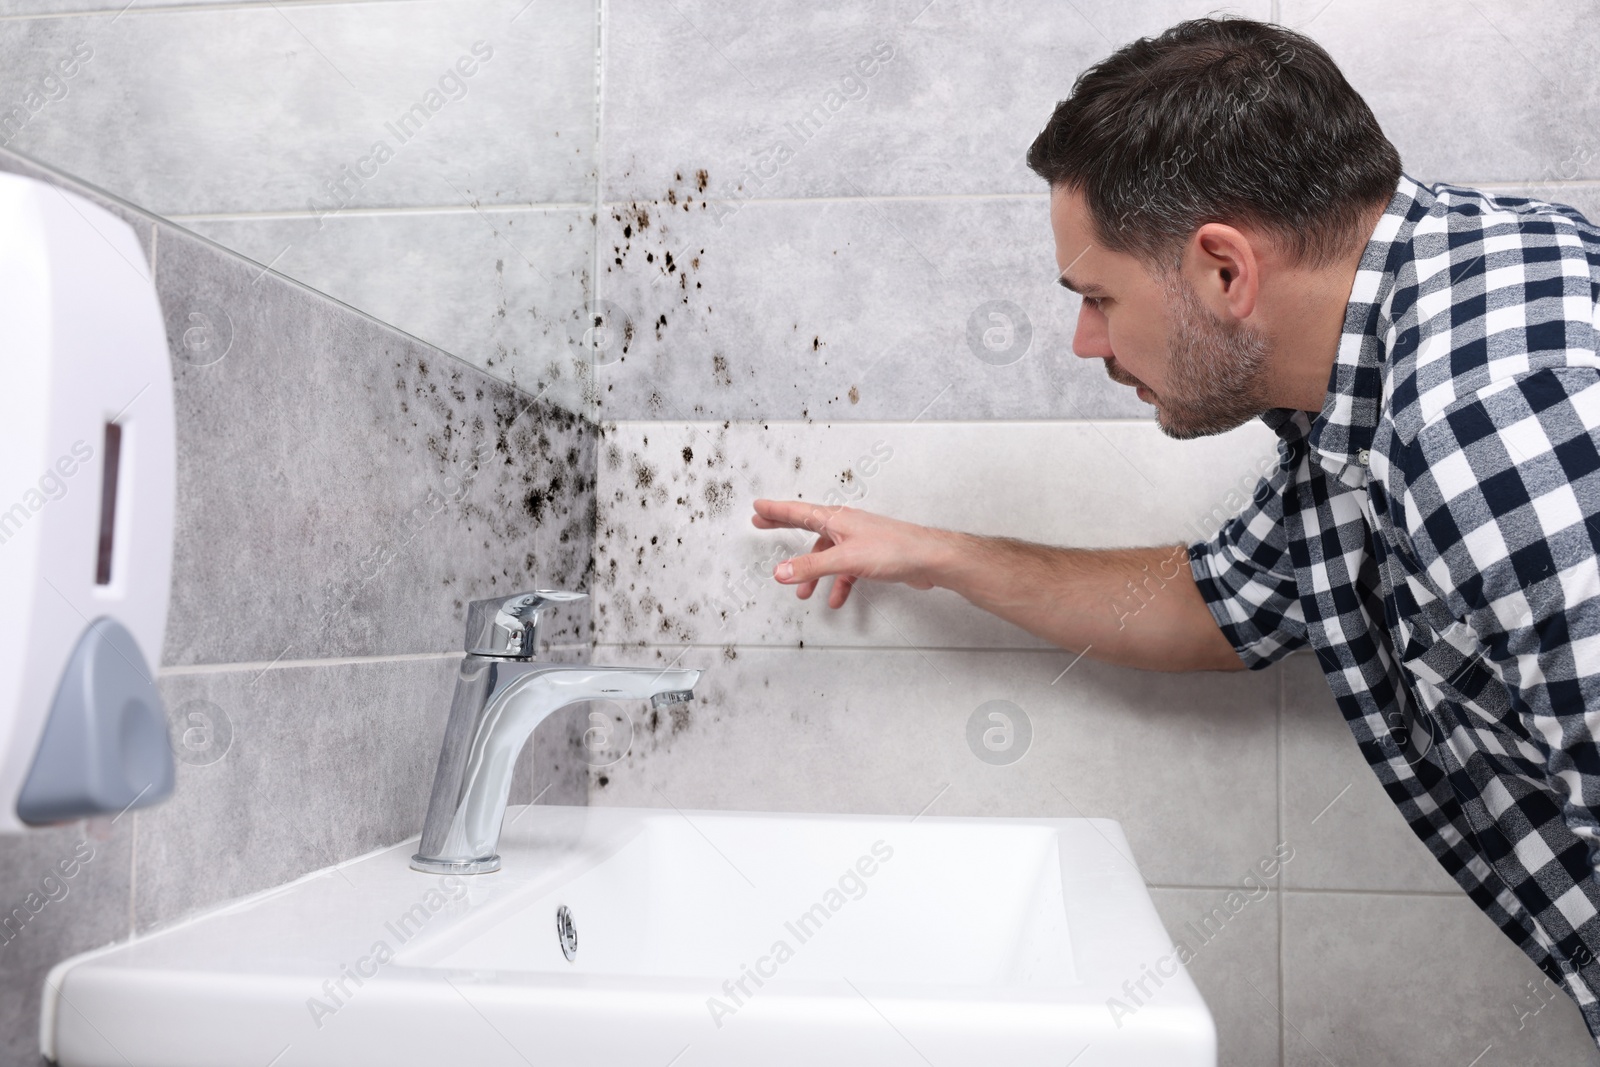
[653, 271]
[500, 465]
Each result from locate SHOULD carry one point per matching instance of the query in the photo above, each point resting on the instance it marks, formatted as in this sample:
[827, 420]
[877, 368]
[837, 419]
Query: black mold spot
[719, 496]
[688, 454]
[534, 503]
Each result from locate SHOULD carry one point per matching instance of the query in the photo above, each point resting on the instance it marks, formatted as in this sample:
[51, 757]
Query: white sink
[702, 938]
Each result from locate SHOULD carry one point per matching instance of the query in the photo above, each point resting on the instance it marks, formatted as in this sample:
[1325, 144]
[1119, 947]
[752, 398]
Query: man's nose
[1091, 340]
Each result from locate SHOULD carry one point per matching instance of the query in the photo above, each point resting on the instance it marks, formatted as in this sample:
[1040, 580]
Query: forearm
[1138, 607]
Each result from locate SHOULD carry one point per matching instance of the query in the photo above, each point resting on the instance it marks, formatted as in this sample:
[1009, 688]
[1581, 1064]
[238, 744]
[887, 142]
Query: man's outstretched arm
[1138, 607]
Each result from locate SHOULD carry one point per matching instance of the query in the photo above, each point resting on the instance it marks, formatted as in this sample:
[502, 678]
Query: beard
[1216, 369]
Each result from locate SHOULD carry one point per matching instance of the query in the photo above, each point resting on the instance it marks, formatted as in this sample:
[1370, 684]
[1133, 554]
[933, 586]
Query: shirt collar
[1343, 431]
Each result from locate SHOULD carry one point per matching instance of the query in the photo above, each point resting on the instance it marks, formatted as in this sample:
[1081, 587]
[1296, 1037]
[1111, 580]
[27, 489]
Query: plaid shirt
[1431, 534]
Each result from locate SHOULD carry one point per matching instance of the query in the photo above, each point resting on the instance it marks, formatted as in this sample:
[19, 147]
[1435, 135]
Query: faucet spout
[497, 704]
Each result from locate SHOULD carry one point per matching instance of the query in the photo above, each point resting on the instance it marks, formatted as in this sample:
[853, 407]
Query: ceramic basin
[701, 938]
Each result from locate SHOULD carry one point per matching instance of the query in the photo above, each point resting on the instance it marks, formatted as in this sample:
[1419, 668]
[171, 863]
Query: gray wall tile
[1346, 831]
[787, 310]
[1234, 963]
[1413, 980]
[323, 763]
[505, 290]
[306, 766]
[1187, 763]
[52, 916]
[253, 108]
[1485, 92]
[966, 89]
[358, 519]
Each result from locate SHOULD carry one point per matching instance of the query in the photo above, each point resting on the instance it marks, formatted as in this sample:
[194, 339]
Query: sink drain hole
[566, 932]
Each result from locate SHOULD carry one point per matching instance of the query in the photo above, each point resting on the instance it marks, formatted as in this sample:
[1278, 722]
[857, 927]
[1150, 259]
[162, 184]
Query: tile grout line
[719, 645]
[233, 666]
[596, 207]
[587, 778]
[1197, 887]
[170, 9]
[840, 424]
[377, 212]
[599, 203]
[183, 670]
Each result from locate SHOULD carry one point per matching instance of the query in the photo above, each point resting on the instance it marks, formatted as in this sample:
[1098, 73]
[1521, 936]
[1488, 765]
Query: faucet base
[419, 862]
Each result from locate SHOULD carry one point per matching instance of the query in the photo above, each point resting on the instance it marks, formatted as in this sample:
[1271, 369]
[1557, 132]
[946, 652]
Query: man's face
[1203, 374]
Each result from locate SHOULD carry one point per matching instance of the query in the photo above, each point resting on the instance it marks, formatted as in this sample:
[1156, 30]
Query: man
[1246, 245]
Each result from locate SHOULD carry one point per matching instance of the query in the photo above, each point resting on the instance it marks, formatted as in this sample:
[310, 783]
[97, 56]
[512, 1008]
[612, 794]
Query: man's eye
[1094, 301]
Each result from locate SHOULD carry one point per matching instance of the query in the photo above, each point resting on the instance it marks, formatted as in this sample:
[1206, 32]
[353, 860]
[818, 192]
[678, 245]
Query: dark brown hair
[1219, 120]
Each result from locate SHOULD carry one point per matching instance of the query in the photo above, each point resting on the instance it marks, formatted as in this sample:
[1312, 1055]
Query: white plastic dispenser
[86, 512]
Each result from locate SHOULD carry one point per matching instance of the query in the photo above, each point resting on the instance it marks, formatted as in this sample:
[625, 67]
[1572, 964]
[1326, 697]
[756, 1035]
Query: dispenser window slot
[108, 503]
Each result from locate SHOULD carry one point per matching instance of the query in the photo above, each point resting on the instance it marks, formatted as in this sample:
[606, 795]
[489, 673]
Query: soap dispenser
[86, 512]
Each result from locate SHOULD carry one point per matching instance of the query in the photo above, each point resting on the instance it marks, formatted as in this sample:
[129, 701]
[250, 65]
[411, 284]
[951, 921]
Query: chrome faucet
[501, 695]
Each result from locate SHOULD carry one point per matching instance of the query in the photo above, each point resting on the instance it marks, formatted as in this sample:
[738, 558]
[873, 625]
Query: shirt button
[1364, 457]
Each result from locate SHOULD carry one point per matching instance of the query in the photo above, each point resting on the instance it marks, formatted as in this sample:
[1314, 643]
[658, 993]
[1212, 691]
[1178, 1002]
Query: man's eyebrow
[1086, 289]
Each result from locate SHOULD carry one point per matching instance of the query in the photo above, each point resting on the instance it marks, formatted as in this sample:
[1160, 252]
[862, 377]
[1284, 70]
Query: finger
[807, 588]
[792, 514]
[841, 590]
[810, 567]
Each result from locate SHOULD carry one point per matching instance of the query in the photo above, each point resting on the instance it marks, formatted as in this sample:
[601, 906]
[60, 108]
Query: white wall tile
[675, 548]
[1187, 763]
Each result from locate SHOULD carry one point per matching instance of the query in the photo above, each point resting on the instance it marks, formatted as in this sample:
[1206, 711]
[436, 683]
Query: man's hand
[1135, 606]
[850, 545]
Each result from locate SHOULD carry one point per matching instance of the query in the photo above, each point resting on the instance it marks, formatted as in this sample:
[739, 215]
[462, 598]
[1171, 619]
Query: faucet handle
[508, 627]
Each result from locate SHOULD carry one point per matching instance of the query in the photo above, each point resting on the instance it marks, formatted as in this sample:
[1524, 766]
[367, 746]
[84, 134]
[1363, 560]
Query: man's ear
[1222, 266]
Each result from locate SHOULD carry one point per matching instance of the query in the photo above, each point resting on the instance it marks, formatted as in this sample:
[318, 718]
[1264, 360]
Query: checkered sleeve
[1247, 577]
[1501, 506]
